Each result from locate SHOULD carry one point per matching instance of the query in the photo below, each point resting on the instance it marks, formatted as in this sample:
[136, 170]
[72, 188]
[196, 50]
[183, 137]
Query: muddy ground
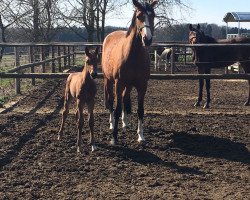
[190, 153]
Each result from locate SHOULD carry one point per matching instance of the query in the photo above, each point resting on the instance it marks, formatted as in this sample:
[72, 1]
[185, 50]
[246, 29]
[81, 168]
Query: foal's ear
[190, 27]
[154, 3]
[198, 27]
[87, 51]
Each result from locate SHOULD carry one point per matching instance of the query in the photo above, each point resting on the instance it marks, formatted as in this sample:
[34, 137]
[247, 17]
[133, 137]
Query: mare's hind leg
[126, 106]
[246, 68]
[79, 112]
[247, 103]
[109, 100]
[141, 90]
[91, 124]
[65, 112]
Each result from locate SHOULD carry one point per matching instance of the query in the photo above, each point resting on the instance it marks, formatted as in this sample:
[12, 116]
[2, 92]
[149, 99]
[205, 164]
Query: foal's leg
[79, 112]
[141, 94]
[91, 124]
[65, 112]
[126, 106]
[109, 101]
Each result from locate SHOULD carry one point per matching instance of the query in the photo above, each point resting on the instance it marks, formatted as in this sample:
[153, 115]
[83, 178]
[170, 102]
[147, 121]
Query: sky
[203, 11]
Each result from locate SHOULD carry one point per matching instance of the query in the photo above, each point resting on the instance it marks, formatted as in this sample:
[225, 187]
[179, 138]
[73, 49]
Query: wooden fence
[64, 54]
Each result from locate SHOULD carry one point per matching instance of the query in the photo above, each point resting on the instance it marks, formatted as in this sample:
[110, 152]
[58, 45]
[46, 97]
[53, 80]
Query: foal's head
[91, 61]
[196, 35]
[145, 21]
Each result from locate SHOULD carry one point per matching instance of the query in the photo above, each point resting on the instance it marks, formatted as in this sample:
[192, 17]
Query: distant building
[236, 17]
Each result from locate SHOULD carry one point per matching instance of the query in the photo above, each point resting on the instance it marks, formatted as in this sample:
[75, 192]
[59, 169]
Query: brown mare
[126, 64]
[82, 87]
[206, 58]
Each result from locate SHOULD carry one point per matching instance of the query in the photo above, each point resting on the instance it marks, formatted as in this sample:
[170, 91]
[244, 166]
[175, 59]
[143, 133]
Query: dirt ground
[190, 153]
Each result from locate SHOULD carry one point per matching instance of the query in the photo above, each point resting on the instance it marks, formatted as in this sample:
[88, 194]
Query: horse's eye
[140, 16]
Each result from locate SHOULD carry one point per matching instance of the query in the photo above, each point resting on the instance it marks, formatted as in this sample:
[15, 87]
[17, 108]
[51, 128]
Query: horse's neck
[132, 41]
[210, 39]
[85, 71]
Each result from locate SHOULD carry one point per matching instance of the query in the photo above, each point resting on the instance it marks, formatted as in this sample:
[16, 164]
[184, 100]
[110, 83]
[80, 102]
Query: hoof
[113, 142]
[79, 150]
[206, 106]
[111, 127]
[93, 147]
[141, 141]
[197, 104]
[247, 103]
[59, 137]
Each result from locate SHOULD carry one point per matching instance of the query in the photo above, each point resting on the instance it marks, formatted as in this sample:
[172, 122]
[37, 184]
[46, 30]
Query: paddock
[190, 153]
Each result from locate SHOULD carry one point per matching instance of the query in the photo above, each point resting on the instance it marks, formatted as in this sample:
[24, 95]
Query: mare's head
[196, 35]
[91, 61]
[144, 21]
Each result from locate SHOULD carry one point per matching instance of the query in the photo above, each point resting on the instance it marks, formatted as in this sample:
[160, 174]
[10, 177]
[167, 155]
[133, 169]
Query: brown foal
[82, 87]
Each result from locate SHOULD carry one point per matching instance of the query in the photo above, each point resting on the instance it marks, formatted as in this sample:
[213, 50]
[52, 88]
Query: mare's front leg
[126, 106]
[208, 86]
[91, 124]
[247, 103]
[140, 112]
[79, 113]
[118, 108]
[198, 102]
[109, 101]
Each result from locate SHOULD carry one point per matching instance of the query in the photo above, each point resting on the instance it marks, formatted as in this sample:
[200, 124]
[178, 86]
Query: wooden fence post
[43, 58]
[59, 59]
[53, 61]
[69, 56]
[31, 58]
[185, 55]
[74, 56]
[64, 58]
[173, 60]
[156, 60]
[17, 80]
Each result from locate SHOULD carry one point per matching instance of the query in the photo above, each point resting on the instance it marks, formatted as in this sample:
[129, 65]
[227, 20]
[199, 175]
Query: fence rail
[152, 76]
[65, 54]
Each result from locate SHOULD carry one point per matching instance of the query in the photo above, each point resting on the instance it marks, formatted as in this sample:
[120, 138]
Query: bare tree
[90, 14]
[40, 19]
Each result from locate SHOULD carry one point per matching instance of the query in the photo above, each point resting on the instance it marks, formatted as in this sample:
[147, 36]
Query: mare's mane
[131, 25]
[209, 39]
[146, 7]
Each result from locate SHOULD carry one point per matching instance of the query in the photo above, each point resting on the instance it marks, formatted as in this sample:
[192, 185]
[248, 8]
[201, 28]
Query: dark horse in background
[206, 58]
[126, 64]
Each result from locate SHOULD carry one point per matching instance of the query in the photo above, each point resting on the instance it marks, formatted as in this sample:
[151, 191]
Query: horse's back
[80, 86]
[110, 44]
